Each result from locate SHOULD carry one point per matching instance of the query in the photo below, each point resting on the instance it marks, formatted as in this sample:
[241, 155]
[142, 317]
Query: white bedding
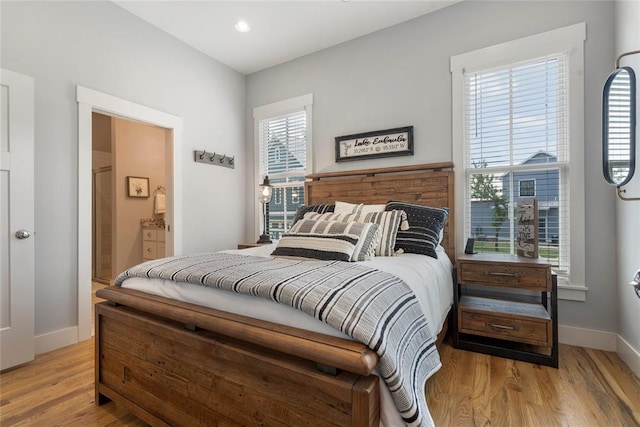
[430, 279]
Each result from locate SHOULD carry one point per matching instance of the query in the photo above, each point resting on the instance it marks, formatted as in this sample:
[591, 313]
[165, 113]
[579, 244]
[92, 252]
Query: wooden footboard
[169, 374]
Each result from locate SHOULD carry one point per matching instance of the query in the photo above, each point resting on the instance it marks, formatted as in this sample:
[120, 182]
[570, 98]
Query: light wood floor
[591, 388]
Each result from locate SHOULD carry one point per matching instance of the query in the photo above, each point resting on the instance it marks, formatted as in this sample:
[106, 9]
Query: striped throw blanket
[374, 307]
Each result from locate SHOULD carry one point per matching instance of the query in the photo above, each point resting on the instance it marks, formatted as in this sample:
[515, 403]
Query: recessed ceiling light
[243, 26]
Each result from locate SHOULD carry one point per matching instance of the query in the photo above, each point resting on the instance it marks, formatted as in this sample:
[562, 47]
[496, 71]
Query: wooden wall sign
[527, 228]
[379, 143]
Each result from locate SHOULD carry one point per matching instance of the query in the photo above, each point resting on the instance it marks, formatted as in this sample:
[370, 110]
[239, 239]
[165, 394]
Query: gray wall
[628, 39]
[400, 76]
[103, 47]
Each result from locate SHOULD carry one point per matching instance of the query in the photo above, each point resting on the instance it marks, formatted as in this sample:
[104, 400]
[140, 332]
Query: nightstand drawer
[505, 328]
[520, 322]
[513, 276]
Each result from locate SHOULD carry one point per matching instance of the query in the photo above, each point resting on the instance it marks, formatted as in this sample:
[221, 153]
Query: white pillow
[361, 209]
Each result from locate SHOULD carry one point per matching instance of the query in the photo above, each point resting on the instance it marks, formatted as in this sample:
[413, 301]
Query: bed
[175, 362]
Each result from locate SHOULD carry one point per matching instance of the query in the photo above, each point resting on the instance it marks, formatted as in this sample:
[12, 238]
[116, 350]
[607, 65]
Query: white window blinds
[283, 157]
[516, 145]
[283, 145]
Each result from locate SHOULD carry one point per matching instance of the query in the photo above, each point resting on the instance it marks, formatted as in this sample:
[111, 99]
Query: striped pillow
[350, 208]
[389, 223]
[425, 225]
[303, 209]
[329, 240]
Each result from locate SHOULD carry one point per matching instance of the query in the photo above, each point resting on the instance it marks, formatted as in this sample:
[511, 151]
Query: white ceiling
[280, 30]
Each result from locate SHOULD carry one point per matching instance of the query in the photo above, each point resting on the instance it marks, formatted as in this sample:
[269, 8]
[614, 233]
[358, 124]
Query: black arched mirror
[619, 126]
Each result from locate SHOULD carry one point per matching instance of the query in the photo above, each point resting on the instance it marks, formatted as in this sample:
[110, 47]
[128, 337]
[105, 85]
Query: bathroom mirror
[619, 126]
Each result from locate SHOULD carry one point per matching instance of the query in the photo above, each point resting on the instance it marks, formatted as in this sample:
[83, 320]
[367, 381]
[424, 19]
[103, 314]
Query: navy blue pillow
[425, 224]
[302, 209]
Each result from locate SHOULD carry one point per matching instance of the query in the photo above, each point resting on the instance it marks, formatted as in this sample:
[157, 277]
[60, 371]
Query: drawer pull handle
[495, 273]
[493, 325]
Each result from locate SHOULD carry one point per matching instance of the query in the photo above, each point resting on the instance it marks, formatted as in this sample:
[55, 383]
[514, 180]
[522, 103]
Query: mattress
[430, 280]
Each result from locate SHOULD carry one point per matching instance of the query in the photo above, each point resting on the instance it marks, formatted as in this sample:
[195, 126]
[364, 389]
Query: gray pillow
[303, 209]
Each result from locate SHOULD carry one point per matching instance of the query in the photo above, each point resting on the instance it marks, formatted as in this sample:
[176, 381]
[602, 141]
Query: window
[518, 118]
[527, 188]
[283, 135]
[516, 121]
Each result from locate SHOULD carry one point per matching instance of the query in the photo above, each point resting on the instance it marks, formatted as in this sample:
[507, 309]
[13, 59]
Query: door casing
[90, 101]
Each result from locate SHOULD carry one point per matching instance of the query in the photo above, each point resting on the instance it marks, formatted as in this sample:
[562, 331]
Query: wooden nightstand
[506, 306]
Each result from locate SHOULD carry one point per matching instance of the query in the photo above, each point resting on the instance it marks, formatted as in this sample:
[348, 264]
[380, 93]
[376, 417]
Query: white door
[17, 269]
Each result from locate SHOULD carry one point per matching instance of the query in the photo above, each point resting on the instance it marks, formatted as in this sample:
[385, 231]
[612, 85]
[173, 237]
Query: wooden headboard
[429, 184]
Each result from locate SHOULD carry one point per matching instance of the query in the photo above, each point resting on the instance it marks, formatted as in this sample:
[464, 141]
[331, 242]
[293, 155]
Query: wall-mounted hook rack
[214, 159]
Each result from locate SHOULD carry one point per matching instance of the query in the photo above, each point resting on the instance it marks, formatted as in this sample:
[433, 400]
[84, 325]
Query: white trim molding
[601, 340]
[57, 339]
[572, 293]
[280, 108]
[588, 338]
[628, 354]
[268, 111]
[568, 39]
[90, 100]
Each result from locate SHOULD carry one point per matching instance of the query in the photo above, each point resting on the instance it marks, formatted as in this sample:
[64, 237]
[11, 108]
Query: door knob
[23, 234]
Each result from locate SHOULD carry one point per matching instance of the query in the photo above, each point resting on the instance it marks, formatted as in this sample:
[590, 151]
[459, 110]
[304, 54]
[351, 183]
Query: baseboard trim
[601, 340]
[56, 339]
[589, 338]
[629, 355]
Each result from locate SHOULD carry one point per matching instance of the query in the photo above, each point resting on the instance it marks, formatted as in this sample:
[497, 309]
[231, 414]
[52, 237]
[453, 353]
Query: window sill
[572, 293]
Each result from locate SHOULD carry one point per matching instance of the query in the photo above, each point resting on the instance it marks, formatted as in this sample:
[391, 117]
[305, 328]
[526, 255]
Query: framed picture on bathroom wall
[137, 186]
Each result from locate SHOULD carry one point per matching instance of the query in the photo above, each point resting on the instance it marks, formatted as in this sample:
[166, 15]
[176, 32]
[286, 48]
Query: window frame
[568, 39]
[520, 181]
[272, 111]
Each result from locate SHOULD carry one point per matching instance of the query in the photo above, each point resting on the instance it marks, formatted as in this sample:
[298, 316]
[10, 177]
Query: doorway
[128, 168]
[90, 101]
